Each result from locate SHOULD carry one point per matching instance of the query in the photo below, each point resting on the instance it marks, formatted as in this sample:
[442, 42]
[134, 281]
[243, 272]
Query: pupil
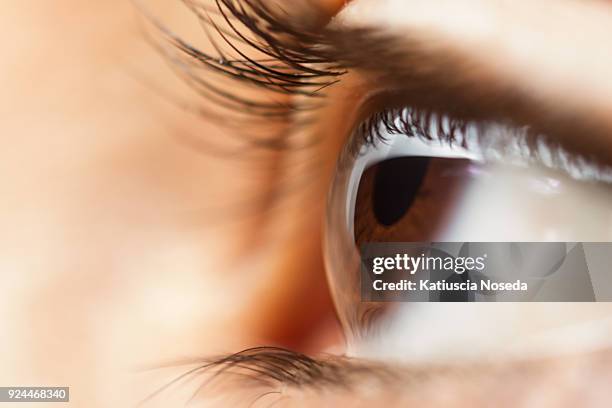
[396, 186]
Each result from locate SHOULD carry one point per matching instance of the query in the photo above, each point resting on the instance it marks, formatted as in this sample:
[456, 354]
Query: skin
[112, 248]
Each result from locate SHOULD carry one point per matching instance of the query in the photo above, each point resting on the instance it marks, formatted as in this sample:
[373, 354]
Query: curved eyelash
[273, 370]
[423, 124]
[289, 61]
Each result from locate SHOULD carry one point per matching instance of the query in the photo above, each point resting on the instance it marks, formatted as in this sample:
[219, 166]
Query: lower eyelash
[272, 370]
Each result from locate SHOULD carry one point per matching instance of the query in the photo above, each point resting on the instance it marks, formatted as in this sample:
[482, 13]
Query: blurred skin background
[121, 244]
[127, 241]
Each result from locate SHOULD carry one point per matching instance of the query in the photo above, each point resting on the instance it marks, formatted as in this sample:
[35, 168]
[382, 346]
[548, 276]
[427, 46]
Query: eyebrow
[428, 68]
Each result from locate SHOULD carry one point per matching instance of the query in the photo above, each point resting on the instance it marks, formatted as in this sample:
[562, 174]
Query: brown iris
[408, 198]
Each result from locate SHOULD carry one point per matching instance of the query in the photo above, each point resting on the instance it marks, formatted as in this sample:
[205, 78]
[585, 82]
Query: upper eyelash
[524, 147]
[412, 123]
[293, 62]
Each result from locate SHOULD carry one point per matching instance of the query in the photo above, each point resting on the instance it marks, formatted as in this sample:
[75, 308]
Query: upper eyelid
[433, 79]
[448, 74]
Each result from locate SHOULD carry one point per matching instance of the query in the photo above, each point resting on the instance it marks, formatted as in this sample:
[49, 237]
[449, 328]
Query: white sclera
[500, 202]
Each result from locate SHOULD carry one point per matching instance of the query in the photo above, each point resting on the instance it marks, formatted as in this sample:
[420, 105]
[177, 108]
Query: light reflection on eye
[489, 183]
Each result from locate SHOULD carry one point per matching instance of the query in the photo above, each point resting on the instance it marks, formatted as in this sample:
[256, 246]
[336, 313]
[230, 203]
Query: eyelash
[298, 62]
[293, 62]
[273, 370]
[489, 141]
[422, 124]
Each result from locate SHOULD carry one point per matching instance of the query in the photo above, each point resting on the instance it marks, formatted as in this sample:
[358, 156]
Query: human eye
[413, 132]
[417, 176]
[408, 166]
[456, 154]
